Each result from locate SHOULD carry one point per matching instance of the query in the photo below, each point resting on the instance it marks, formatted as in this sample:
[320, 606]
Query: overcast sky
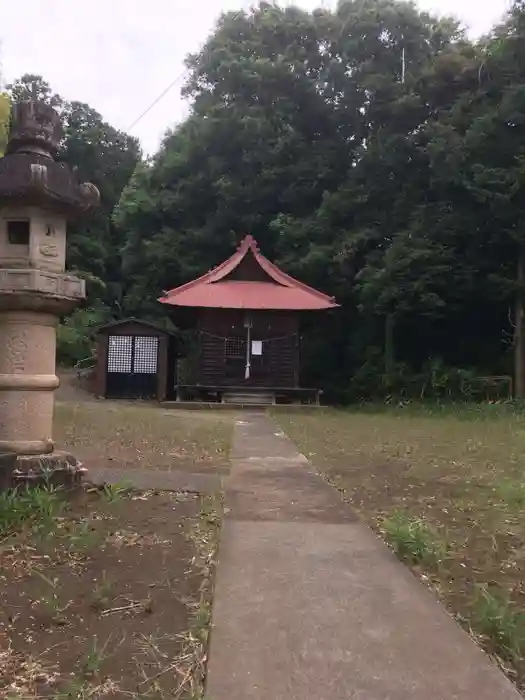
[119, 55]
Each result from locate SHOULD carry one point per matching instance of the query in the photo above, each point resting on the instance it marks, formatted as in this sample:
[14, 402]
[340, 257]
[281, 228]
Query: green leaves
[75, 335]
[5, 113]
[333, 138]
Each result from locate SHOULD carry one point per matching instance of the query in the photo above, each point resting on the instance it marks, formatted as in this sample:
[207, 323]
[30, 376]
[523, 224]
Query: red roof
[217, 289]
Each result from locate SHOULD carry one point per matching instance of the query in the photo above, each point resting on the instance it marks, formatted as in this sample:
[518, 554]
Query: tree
[5, 113]
[34, 87]
[107, 158]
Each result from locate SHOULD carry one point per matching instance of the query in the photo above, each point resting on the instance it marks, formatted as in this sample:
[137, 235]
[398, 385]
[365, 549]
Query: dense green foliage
[5, 111]
[373, 151]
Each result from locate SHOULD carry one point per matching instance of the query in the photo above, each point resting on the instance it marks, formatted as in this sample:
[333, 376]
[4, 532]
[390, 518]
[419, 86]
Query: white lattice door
[132, 366]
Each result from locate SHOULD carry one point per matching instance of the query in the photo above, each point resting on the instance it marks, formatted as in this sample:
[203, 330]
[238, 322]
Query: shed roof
[107, 328]
[218, 289]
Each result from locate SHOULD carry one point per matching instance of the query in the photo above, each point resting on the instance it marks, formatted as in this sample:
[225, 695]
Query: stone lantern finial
[35, 128]
[28, 172]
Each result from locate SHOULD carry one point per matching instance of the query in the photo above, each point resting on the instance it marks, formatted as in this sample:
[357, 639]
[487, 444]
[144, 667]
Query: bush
[435, 381]
[75, 335]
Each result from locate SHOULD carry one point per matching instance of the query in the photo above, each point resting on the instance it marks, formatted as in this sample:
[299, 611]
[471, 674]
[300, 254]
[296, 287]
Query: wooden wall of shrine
[222, 338]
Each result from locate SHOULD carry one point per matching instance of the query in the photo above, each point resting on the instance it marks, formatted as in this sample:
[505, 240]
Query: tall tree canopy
[307, 130]
[5, 112]
[373, 150]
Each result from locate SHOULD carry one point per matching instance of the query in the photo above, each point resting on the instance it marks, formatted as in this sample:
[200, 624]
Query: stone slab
[309, 611]
[271, 480]
[288, 494]
[157, 479]
[239, 406]
[257, 436]
[275, 463]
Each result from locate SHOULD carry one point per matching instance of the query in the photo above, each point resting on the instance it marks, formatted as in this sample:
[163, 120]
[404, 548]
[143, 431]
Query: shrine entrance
[247, 362]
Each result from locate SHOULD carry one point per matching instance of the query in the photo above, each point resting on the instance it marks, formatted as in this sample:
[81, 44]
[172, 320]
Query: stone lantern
[37, 196]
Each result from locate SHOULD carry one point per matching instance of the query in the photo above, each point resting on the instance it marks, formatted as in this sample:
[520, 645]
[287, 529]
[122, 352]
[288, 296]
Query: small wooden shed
[135, 360]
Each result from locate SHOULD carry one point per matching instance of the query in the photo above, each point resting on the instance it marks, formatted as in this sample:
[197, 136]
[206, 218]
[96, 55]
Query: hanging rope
[245, 344]
[248, 350]
[263, 340]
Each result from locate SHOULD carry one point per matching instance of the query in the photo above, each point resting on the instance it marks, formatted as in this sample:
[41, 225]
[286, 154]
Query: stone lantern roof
[28, 172]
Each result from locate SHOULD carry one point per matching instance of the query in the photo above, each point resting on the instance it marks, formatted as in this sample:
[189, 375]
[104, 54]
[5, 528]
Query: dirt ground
[108, 597]
[138, 435]
[72, 388]
[459, 472]
[106, 592]
[143, 436]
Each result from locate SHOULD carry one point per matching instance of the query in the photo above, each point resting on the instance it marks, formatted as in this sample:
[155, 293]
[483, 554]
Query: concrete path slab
[287, 495]
[318, 608]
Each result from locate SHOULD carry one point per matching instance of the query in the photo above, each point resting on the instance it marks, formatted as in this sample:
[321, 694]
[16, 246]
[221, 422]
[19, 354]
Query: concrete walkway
[309, 604]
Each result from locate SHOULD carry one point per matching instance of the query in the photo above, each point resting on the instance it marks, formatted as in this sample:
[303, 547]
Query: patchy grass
[113, 602]
[446, 488]
[501, 624]
[413, 540]
[109, 434]
[38, 506]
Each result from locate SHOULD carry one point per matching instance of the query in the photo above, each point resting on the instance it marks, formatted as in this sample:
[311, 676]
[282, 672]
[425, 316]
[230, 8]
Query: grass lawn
[122, 435]
[446, 488]
[104, 594]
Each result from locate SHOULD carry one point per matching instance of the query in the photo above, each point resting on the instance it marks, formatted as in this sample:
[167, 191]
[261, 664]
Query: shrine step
[249, 398]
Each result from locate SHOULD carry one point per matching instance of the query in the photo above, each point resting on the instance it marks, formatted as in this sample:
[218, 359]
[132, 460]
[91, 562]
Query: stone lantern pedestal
[37, 195]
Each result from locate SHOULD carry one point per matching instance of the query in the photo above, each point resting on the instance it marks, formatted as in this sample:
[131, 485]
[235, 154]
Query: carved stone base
[55, 469]
[30, 303]
[27, 381]
[8, 462]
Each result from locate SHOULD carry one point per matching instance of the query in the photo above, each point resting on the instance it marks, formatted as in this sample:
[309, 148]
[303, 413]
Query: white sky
[119, 55]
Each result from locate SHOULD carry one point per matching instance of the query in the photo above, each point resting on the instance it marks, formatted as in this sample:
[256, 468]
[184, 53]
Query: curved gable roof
[215, 290]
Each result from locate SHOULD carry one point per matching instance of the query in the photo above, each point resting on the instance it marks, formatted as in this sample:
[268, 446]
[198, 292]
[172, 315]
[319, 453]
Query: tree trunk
[389, 345]
[519, 337]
